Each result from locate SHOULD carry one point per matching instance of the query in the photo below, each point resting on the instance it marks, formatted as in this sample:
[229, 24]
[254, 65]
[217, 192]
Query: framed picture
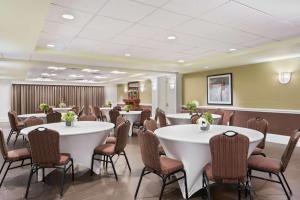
[219, 89]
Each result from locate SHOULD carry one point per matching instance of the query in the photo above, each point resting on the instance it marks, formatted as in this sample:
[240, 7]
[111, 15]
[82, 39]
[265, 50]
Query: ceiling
[103, 31]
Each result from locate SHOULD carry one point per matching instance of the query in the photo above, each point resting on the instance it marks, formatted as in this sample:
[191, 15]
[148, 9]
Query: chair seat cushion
[111, 140]
[64, 158]
[18, 154]
[169, 165]
[265, 164]
[105, 149]
[257, 151]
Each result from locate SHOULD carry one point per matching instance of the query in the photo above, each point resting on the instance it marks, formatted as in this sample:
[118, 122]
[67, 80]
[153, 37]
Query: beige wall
[254, 86]
[145, 96]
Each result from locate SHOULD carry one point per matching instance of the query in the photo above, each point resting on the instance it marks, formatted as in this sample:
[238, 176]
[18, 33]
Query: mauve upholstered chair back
[122, 136]
[118, 108]
[145, 114]
[194, 118]
[119, 120]
[113, 114]
[87, 118]
[285, 158]
[149, 149]
[231, 118]
[53, 117]
[97, 111]
[260, 125]
[221, 113]
[229, 156]
[12, 117]
[44, 144]
[161, 118]
[3, 146]
[75, 109]
[150, 124]
[33, 121]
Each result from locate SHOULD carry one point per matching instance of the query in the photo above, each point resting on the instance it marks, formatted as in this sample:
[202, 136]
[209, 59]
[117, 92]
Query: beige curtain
[27, 98]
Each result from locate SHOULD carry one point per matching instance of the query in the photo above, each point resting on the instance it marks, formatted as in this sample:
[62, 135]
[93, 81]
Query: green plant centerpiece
[62, 104]
[127, 108]
[192, 106]
[44, 107]
[109, 104]
[205, 121]
[69, 117]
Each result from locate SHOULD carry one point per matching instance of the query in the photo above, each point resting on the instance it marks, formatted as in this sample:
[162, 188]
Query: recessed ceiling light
[51, 45]
[171, 37]
[75, 75]
[181, 61]
[90, 70]
[127, 54]
[100, 77]
[46, 74]
[56, 68]
[205, 67]
[136, 75]
[232, 49]
[117, 72]
[115, 79]
[68, 16]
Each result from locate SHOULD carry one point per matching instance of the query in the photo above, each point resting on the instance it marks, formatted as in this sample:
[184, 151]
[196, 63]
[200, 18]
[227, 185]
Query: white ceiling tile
[193, 8]
[84, 5]
[277, 8]
[60, 41]
[127, 40]
[164, 19]
[55, 12]
[157, 3]
[228, 12]
[103, 28]
[65, 30]
[142, 31]
[126, 10]
[139, 51]
[80, 45]
[109, 49]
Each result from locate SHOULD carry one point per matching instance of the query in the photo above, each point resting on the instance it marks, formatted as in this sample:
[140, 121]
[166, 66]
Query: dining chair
[231, 118]
[50, 110]
[220, 112]
[33, 121]
[12, 156]
[113, 114]
[110, 150]
[81, 111]
[151, 125]
[275, 166]
[75, 109]
[53, 117]
[229, 153]
[87, 118]
[194, 118]
[15, 124]
[112, 139]
[260, 125]
[162, 166]
[45, 152]
[162, 118]
[156, 114]
[144, 115]
[118, 108]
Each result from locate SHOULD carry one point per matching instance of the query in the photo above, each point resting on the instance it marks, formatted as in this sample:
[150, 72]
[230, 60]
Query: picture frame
[219, 89]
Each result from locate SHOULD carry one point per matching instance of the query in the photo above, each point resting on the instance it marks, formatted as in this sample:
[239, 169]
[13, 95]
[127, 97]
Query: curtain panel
[26, 98]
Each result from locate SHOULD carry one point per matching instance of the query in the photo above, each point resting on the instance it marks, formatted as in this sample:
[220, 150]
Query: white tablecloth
[185, 118]
[131, 116]
[191, 145]
[61, 110]
[80, 139]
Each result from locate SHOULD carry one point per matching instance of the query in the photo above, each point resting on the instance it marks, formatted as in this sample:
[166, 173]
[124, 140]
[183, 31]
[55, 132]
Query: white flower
[195, 102]
[202, 122]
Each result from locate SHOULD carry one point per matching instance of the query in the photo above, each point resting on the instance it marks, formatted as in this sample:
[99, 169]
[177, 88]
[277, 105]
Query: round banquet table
[191, 145]
[105, 111]
[131, 116]
[185, 118]
[80, 139]
[61, 110]
[39, 115]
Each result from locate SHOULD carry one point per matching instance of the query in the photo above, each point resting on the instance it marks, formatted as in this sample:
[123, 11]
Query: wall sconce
[142, 87]
[125, 89]
[284, 77]
[171, 84]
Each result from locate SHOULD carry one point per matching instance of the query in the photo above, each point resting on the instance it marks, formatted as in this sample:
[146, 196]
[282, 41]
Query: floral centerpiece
[62, 104]
[44, 107]
[127, 108]
[192, 106]
[69, 117]
[205, 121]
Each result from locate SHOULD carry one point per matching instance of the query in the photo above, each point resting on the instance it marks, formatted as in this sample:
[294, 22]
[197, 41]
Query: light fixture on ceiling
[284, 77]
[46, 74]
[171, 37]
[232, 50]
[100, 77]
[136, 75]
[116, 79]
[68, 16]
[205, 67]
[180, 61]
[127, 54]
[56, 68]
[117, 72]
[50, 45]
[75, 75]
[90, 70]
